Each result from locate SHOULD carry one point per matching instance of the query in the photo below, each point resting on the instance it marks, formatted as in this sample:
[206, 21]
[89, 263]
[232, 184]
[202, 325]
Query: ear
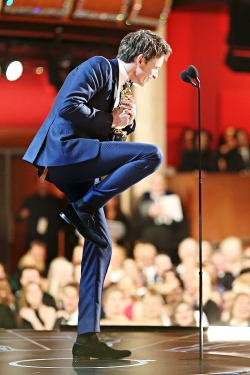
[139, 59]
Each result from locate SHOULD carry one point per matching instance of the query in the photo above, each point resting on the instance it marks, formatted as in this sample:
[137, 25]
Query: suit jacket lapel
[115, 67]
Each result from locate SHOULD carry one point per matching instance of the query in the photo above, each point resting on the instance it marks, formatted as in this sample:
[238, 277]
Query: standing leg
[95, 262]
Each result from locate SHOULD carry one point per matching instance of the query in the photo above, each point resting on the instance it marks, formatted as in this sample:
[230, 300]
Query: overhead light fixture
[14, 70]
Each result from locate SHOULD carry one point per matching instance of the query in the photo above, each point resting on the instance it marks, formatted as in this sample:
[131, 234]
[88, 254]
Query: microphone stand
[200, 224]
[187, 77]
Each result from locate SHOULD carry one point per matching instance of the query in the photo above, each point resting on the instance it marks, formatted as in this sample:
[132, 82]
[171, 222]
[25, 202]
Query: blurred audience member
[60, 273]
[188, 252]
[162, 263]
[207, 251]
[77, 254]
[160, 218]
[243, 147]
[70, 298]
[170, 283]
[144, 254]
[188, 139]
[228, 298]
[183, 315]
[231, 248]
[191, 295]
[190, 158]
[33, 313]
[229, 158]
[7, 316]
[41, 212]
[240, 314]
[131, 269]
[128, 287]
[28, 275]
[114, 306]
[246, 258]
[224, 278]
[151, 312]
[115, 270]
[118, 223]
[242, 282]
[3, 273]
[77, 273]
[33, 258]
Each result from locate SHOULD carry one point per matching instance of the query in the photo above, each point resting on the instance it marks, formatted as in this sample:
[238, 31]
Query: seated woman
[60, 274]
[183, 315]
[151, 310]
[240, 313]
[33, 313]
[114, 306]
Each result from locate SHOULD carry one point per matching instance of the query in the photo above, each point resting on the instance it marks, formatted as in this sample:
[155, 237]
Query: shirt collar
[123, 75]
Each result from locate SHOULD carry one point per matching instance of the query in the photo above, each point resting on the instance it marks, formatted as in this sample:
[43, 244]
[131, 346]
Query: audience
[28, 275]
[114, 305]
[144, 290]
[190, 157]
[152, 279]
[115, 271]
[151, 310]
[60, 273]
[183, 315]
[243, 147]
[41, 212]
[231, 248]
[160, 219]
[230, 159]
[119, 225]
[7, 316]
[33, 313]
[70, 297]
[240, 313]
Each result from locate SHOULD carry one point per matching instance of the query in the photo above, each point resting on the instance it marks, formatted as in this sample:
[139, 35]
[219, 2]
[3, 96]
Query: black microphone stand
[200, 222]
[187, 77]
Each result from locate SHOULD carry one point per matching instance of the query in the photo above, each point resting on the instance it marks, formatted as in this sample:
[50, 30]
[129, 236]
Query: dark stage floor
[167, 351]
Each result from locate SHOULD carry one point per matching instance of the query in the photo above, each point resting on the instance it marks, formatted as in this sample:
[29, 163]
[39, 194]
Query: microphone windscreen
[185, 77]
[192, 71]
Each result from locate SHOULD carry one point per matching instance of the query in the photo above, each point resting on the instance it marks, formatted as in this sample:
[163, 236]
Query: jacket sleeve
[88, 79]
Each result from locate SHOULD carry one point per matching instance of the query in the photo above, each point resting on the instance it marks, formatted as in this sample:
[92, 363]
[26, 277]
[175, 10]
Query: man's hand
[120, 118]
[124, 115]
[129, 107]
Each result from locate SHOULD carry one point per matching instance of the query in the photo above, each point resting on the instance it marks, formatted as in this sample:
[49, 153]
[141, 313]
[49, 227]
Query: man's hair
[143, 42]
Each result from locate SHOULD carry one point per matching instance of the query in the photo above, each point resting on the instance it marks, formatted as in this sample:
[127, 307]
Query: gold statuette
[119, 134]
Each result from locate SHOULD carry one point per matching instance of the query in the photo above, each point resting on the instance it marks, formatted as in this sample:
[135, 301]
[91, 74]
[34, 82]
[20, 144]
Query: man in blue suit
[72, 147]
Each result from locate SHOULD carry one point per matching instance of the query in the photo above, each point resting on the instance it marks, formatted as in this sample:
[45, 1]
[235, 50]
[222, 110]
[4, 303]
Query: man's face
[30, 275]
[145, 71]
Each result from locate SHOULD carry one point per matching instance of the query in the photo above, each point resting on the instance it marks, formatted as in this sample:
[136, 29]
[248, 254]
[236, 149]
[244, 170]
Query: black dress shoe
[85, 225]
[96, 349]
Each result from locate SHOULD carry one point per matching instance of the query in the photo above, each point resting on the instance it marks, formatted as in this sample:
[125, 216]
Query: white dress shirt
[123, 77]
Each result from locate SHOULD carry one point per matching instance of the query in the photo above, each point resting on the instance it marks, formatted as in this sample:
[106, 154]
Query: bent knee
[156, 154]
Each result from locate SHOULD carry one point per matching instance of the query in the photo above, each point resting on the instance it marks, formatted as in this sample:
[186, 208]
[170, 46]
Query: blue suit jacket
[80, 117]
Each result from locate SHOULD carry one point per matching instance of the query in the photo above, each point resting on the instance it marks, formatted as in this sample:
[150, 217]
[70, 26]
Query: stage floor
[167, 351]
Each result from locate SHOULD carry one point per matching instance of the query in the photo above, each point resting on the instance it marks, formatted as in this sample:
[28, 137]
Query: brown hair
[143, 42]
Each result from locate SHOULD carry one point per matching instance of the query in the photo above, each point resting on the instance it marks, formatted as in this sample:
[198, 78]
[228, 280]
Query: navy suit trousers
[123, 164]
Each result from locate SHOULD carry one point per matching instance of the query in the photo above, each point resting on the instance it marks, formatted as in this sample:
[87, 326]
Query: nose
[155, 75]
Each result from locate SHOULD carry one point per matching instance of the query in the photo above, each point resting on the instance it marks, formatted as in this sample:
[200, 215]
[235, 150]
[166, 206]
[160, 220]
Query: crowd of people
[146, 289]
[153, 276]
[231, 155]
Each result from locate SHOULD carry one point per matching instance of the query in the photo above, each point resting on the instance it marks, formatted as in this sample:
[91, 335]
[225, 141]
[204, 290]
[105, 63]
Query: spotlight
[14, 70]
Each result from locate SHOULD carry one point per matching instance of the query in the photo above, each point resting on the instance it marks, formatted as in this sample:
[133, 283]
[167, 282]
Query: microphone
[193, 72]
[186, 78]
